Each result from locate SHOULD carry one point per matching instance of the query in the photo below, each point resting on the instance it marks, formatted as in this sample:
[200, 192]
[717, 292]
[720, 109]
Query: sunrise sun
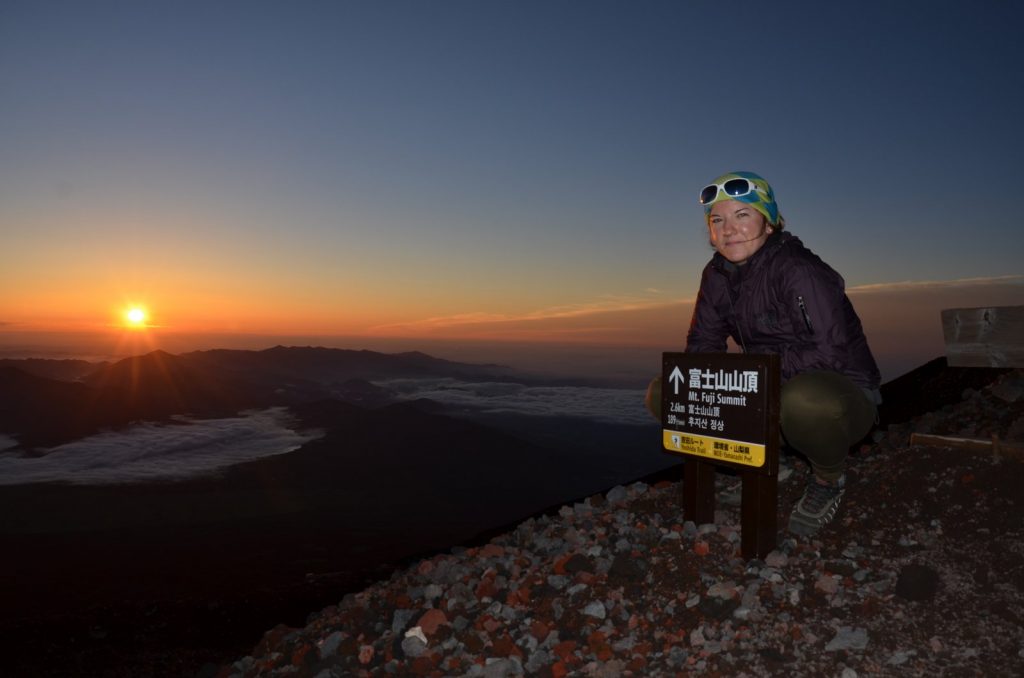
[135, 317]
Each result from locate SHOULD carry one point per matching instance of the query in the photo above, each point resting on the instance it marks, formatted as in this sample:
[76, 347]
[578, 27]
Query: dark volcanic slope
[921, 574]
[930, 387]
[172, 569]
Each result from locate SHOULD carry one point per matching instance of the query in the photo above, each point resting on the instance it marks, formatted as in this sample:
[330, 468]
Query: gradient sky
[432, 168]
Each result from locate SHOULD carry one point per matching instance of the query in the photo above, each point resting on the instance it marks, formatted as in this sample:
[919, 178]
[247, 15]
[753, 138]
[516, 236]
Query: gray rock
[503, 667]
[616, 494]
[751, 597]
[900, 657]
[576, 588]
[330, 644]
[848, 638]
[595, 609]
[413, 647]
[401, 620]
[558, 581]
[725, 589]
[623, 645]
[537, 660]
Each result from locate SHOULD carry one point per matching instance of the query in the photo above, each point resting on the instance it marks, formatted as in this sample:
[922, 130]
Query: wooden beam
[984, 337]
[995, 446]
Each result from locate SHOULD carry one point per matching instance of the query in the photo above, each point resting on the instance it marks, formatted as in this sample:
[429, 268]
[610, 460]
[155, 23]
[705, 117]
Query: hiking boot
[818, 505]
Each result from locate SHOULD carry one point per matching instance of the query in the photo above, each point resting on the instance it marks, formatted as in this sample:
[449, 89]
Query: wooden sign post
[722, 409]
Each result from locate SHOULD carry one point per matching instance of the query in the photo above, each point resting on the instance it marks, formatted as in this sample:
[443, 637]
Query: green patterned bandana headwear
[762, 201]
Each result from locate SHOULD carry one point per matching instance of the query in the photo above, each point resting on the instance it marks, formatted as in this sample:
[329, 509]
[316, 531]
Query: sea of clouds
[608, 405]
[190, 448]
[148, 452]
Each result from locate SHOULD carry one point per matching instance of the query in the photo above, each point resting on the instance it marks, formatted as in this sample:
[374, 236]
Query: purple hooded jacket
[784, 300]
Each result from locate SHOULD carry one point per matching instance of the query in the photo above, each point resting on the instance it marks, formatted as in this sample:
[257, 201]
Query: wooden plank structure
[984, 337]
[995, 446]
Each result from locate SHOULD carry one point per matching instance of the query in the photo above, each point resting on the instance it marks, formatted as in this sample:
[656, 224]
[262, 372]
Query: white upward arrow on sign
[676, 378]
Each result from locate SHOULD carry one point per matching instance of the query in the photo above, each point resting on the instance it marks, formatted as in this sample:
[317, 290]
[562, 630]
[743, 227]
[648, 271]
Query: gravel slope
[922, 574]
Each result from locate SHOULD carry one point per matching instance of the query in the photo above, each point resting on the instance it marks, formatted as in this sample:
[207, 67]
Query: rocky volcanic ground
[922, 574]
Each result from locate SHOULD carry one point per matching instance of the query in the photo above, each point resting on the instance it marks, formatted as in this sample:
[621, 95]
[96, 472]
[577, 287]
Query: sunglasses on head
[734, 188]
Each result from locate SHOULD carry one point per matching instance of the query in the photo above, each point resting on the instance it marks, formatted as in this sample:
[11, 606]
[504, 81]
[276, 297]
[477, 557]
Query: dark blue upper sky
[516, 156]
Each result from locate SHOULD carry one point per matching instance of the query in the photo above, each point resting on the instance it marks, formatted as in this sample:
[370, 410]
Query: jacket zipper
[803, 311]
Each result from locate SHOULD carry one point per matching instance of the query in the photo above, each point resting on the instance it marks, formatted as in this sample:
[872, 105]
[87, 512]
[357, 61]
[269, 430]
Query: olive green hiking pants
[822, 415]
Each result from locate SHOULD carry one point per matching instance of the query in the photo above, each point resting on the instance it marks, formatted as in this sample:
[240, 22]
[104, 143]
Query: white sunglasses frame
[751, 188]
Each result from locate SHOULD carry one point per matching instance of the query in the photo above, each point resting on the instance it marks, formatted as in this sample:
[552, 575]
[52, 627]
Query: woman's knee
[821, 396]
[825, 404]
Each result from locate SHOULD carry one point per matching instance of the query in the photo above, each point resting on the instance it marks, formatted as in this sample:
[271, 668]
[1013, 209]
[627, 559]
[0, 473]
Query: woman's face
[737, 230]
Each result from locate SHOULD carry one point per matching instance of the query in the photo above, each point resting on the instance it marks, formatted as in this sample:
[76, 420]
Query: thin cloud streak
[911, 285]
[567, 311]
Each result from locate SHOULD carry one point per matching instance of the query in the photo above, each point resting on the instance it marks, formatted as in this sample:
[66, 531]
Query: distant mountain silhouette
[65, 370]
[159, 384]
[332, 365]
[43, 412]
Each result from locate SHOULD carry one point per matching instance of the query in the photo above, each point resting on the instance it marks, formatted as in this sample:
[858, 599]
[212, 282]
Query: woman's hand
[652, 401]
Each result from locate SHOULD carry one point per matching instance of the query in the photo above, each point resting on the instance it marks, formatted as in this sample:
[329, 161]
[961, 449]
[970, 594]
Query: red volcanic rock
[599, 647]
[486, 589]
[431, 620]
[491, 551]
[539, 629]
[701, 548]
[504, 646]
[518, 598]
[304, 657]
[564, 650]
